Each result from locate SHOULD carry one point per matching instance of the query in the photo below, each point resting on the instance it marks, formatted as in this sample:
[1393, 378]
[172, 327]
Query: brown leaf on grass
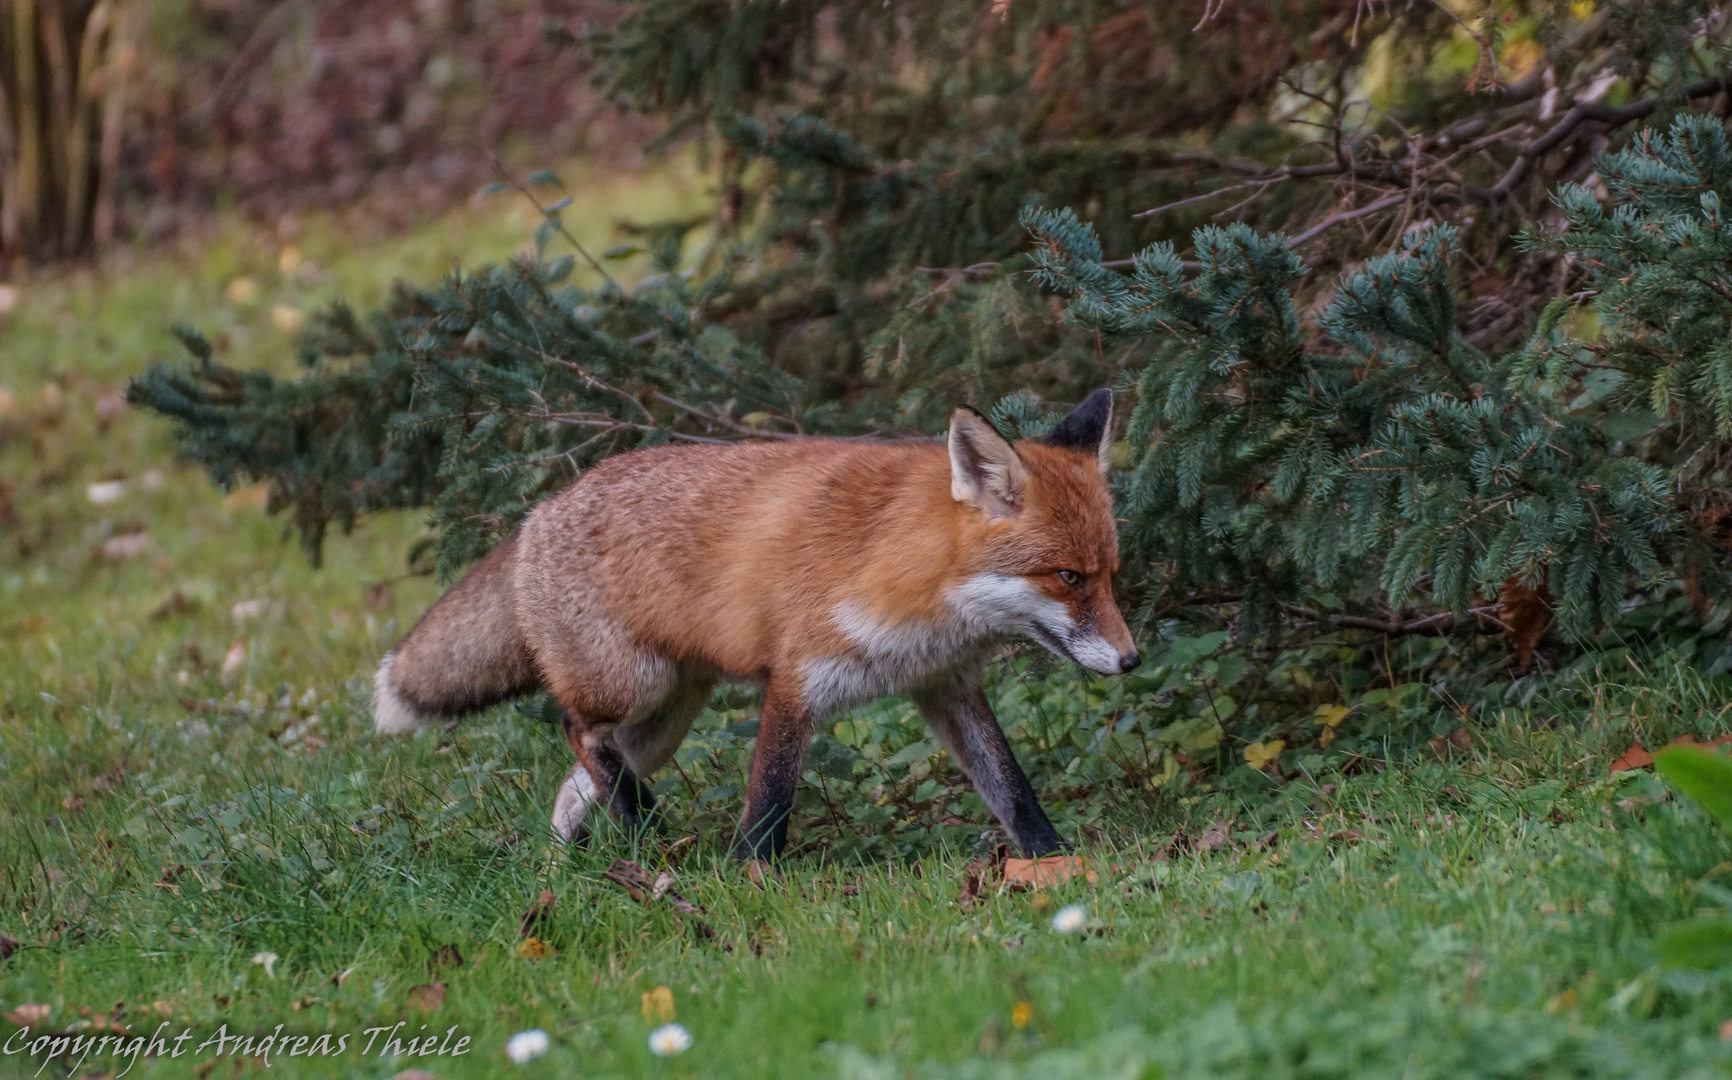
[677, 850]
[976, 873]
[1051, 870]
[1633, 758]
[445, 956]
[1215, 838]
[642, 888]
[658, 1006]
[533, 948]
[110, 780]
[1458, 739]
[379, 597]
[8, 946]
[73, 802]
[536, 916]
[1526, 615]
[1691, 740]
[175, 603]
[1176, 844]
[108, 409]
[426, 997]
[970, 892]
[29, 1014]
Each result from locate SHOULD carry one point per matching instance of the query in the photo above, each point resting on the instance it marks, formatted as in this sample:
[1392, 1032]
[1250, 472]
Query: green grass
[1489, 913]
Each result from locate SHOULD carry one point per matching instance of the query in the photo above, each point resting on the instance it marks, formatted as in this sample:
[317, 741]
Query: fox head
[1049, 547]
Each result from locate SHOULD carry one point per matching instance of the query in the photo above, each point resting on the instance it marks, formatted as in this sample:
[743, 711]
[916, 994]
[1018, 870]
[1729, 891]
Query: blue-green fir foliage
[1370, 449]
[473, 398]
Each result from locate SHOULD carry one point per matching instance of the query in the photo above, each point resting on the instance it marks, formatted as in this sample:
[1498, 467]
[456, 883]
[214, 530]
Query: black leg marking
[629, 798]
[784, 729]
[959, 715]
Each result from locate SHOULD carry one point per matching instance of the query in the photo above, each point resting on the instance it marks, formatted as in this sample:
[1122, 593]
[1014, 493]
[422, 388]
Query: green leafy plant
[1705, 777]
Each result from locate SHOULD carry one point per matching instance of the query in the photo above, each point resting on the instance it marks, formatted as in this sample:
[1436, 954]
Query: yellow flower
[658, 1005]
[1020, 1014]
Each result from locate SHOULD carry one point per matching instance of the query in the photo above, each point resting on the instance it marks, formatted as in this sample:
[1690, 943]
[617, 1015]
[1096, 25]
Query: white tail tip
[391, 714]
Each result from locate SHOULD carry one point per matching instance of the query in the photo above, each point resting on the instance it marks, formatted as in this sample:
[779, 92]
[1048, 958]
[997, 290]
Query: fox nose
[1130, 662]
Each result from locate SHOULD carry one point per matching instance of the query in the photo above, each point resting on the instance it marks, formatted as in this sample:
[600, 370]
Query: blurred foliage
[66, 69]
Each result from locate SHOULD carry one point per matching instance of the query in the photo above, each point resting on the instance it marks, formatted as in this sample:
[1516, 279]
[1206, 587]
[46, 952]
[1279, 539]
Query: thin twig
[559, 223]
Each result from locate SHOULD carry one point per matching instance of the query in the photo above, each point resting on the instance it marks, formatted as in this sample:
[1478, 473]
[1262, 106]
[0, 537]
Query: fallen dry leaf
[426, 997]
[234, 658]
[1691, 740]
[678, 848]
[445, 956]
[1459, 739]
[8, 946]
[1526, 615]
[533, 948]
[110, 780]
[1638, 758]
[108, 409]
[1262, 755]
[536, 916]
[1051, 870]
[1215, 839]
[73, 802]
[658, 1006]
[29, 1014]
[1633, 758]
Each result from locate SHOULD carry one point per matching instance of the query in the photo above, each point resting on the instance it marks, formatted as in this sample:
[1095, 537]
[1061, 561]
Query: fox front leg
[784, 729]
[959, 715]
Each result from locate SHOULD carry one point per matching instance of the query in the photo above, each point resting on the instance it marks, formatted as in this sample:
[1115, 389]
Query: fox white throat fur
[830, 572]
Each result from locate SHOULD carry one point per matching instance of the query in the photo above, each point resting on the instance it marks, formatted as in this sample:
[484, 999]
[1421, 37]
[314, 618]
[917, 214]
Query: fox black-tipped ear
[984, 468]
[1088, 428]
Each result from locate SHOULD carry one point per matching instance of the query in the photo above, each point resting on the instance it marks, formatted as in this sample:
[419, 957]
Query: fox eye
[1070, 577]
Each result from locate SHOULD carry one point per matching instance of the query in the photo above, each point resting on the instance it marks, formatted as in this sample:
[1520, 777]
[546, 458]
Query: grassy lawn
[200, 832]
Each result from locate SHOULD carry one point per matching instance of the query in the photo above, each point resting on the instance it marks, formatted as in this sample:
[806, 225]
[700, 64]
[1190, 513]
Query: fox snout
[1100, 640]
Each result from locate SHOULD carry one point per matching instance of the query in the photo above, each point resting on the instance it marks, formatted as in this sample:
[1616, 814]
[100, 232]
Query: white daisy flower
[670, 1039]
[526, 1046]
[1070, 919]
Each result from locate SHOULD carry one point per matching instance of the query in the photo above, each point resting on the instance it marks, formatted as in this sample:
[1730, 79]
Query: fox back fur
[831, 572]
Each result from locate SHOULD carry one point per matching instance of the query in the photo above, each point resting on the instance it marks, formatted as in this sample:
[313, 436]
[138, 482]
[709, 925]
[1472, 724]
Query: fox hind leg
[572, 805]
[600, 775]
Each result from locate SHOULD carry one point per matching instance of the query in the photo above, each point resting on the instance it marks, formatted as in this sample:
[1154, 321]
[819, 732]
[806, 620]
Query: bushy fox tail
[465, 654]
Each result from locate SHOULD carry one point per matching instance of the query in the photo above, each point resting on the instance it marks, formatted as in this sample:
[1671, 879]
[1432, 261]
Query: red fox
[831, 572]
